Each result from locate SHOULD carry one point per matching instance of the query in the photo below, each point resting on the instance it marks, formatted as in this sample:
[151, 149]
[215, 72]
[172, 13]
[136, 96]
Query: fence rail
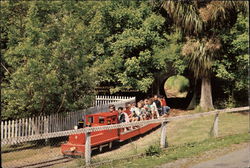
[15, 131]
[14, 140]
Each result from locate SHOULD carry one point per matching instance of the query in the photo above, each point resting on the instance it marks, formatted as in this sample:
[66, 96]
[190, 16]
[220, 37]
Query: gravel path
[234, 156]
[236, 159]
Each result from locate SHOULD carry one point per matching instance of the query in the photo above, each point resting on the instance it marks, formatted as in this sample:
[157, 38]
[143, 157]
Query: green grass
[233, 123]
[188, 131]
[198, 129]
[181, 151]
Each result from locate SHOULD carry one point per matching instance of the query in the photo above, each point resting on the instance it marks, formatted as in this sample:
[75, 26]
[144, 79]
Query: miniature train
[99, 139]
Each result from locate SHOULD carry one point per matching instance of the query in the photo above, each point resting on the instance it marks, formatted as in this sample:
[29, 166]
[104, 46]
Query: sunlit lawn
[193, 136]
[184, 131]
[198, 129]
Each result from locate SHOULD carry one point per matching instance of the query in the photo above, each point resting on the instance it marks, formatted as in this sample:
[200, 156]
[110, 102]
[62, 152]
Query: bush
[230, 102]
[153, 150]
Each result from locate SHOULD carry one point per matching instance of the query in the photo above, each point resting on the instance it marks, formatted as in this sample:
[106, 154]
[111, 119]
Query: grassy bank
[181, 132]
[199, 129]
[180, 151]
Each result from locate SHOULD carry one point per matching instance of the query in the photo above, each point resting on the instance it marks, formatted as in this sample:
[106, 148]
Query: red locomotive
[99, 139]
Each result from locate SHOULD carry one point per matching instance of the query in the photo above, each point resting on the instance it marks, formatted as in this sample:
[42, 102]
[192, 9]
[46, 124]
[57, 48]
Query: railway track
[48, 163]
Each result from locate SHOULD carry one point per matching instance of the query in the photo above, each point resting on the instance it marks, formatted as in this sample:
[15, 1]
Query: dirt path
[236, 159]
[234, 156]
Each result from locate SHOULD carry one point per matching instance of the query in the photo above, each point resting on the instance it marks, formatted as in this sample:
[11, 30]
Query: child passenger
[142, 110]
[127, 108]
[147, 109]
[123, 116]
[154, 110]
[111, 108]
[135, 113]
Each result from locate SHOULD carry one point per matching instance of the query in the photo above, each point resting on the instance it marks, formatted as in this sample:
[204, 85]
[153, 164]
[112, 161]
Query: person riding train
[150, 108]
[123, 116]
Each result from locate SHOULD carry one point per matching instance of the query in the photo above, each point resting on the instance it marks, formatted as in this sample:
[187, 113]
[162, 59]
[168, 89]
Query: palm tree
[201, 22]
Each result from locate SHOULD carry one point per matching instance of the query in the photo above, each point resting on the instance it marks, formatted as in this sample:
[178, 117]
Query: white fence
[34, 126]
[163, 121]
[39, 125]
[101, 100]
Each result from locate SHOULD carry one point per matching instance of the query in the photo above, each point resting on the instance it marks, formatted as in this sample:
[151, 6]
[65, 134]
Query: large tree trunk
[206, 101]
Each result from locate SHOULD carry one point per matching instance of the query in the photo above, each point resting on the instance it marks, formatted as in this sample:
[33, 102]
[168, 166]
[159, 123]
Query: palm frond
[200, 55]
[222, 12]
[184, 15]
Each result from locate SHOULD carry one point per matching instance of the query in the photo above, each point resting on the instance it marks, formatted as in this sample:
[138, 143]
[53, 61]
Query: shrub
[153, 150]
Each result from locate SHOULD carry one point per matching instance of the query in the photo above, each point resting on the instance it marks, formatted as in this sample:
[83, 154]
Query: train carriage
[99, 139]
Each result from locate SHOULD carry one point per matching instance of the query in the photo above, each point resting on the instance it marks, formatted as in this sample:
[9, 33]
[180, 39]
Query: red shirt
[127, 111]
[163, 102]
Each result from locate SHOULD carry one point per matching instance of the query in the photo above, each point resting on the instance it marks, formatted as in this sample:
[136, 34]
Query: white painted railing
[101, 100]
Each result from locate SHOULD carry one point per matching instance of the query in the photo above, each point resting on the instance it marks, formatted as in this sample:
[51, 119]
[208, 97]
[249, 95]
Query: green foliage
[203, 23]
[229, 102]
[153, 150]
[232, 66]
[168, 56]
[48, 69]
[54, 53]
[133, 38]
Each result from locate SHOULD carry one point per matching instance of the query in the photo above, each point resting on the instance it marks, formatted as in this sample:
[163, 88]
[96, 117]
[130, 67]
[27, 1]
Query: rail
[163, 121]
[116, 126]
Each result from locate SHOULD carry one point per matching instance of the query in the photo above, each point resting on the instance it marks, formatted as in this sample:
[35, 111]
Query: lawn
[183, 132]
[180, 151]
[194, 130]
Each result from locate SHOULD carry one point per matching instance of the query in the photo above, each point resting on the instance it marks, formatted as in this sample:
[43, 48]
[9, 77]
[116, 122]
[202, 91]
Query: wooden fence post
[216, 125]
[164, 135]
[87, 149]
